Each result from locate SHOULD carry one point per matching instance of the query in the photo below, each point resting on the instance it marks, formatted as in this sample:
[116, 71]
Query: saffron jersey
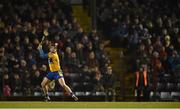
[53, 62]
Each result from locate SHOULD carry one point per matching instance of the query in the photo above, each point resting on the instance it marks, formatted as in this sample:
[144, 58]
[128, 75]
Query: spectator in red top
[156, 68]
[6, 85]
[6, 90]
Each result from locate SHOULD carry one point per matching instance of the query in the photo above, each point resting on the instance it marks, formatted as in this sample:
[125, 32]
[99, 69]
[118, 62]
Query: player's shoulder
[52, 54]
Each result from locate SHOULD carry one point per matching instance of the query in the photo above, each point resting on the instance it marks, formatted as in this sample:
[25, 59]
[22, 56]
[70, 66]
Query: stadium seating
[147, 30]
[175, 96]
[147, 33]
[170, 86]
[80, 93]
[37, 94]
[79, 51]
[178, 86]
[161, 86]
[58, 94]
[165, 96]
[100, 94]
[88, 93]
[17, 94]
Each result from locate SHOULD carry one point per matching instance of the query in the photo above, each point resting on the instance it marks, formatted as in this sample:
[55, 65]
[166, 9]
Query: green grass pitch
[89, 104]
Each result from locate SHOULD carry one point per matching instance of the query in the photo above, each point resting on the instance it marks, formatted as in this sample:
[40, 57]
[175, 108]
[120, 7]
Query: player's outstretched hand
[45, 32]
[56, 44]
[39, 47]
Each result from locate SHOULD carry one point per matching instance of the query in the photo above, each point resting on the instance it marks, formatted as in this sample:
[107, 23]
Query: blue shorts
[55, 75]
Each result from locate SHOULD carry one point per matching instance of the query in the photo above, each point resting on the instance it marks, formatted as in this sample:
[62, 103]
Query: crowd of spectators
[147, 28]
[82, 55]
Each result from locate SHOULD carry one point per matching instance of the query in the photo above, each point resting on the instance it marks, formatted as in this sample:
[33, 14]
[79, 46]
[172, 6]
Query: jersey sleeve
[49, 55]
[42, 54]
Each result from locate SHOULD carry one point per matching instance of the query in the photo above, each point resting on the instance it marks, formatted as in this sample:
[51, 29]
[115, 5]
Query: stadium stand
[149, 29]
[85, 63]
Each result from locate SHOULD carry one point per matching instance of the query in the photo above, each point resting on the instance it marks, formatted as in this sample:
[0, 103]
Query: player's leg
[63, 84]
[66, 87]
[44, 85]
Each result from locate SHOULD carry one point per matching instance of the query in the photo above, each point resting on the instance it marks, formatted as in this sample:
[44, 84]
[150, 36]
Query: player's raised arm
[41, 52]
[44, 36]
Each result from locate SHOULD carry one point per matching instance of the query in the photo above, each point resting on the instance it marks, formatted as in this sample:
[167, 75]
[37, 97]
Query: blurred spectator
[36, 81]
[73, 60]
[17, 83]
[141, 89]
[98, 82]
[6, 85]
[108, 83]
[156, 68]
[31, 60]
[3, 63]
[92, 62]
[108, 78]
[1, 85]
[79, 53]
[6, 90]
[67, 76]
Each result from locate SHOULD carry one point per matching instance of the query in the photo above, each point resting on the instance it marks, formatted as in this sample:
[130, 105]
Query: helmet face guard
[52, 46]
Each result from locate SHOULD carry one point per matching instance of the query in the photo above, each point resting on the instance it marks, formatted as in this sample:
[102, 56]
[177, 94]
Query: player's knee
[42, 84]
[64, 85]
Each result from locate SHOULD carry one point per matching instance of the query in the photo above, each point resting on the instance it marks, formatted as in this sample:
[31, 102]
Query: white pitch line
[89, 108]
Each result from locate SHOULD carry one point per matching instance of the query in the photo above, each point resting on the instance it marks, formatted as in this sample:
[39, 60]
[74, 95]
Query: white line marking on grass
[89, 108]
